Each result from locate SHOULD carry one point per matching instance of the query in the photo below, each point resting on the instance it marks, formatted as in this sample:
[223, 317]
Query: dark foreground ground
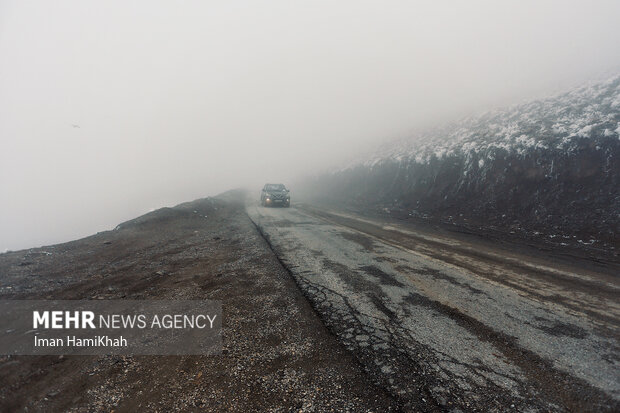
[278, 356]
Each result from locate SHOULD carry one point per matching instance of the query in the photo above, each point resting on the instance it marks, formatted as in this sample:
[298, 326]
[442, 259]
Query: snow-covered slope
[558, 122]
[549, 167]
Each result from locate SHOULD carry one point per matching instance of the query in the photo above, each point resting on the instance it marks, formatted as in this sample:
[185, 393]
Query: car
[275, 194]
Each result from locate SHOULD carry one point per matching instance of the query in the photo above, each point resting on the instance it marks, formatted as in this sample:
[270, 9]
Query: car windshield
[274, 187]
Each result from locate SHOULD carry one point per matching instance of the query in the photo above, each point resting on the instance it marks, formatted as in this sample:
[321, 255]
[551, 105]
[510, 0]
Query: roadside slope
[547, 170]
[277, 353]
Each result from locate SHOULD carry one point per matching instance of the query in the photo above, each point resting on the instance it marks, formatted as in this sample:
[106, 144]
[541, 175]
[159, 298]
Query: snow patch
[557, 122]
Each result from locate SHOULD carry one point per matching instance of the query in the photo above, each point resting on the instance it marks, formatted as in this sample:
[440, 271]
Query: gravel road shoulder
[278, 356]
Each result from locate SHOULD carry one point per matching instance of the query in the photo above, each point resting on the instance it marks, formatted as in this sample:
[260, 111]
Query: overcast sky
[111, 108]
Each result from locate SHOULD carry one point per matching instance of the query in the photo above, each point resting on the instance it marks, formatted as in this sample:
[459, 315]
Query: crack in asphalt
[373, 313]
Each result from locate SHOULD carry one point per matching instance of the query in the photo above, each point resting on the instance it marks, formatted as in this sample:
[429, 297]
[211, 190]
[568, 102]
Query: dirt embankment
[277, 354]
[565, 200]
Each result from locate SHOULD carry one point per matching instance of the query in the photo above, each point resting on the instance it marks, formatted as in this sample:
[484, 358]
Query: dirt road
[446, 322]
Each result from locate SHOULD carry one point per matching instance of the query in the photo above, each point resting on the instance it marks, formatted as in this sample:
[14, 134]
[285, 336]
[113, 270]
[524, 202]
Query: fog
[110, 109]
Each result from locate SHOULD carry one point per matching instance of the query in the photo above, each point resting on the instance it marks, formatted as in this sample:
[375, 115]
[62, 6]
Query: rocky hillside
[549, 169]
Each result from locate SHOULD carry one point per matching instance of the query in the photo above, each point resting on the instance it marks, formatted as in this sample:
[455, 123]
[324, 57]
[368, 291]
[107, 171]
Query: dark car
[275, 194]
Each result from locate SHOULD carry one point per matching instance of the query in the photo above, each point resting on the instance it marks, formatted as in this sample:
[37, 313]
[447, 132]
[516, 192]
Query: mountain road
[445, 322]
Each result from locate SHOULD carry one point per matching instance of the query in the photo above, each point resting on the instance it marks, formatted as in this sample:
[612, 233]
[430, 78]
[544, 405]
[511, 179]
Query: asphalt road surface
[447, 322]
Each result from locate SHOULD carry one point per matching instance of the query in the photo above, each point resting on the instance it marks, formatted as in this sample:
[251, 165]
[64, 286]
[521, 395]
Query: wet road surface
[447, 324]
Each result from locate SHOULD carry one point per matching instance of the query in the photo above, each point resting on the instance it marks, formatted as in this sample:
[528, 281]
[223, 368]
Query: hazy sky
[177, 100]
